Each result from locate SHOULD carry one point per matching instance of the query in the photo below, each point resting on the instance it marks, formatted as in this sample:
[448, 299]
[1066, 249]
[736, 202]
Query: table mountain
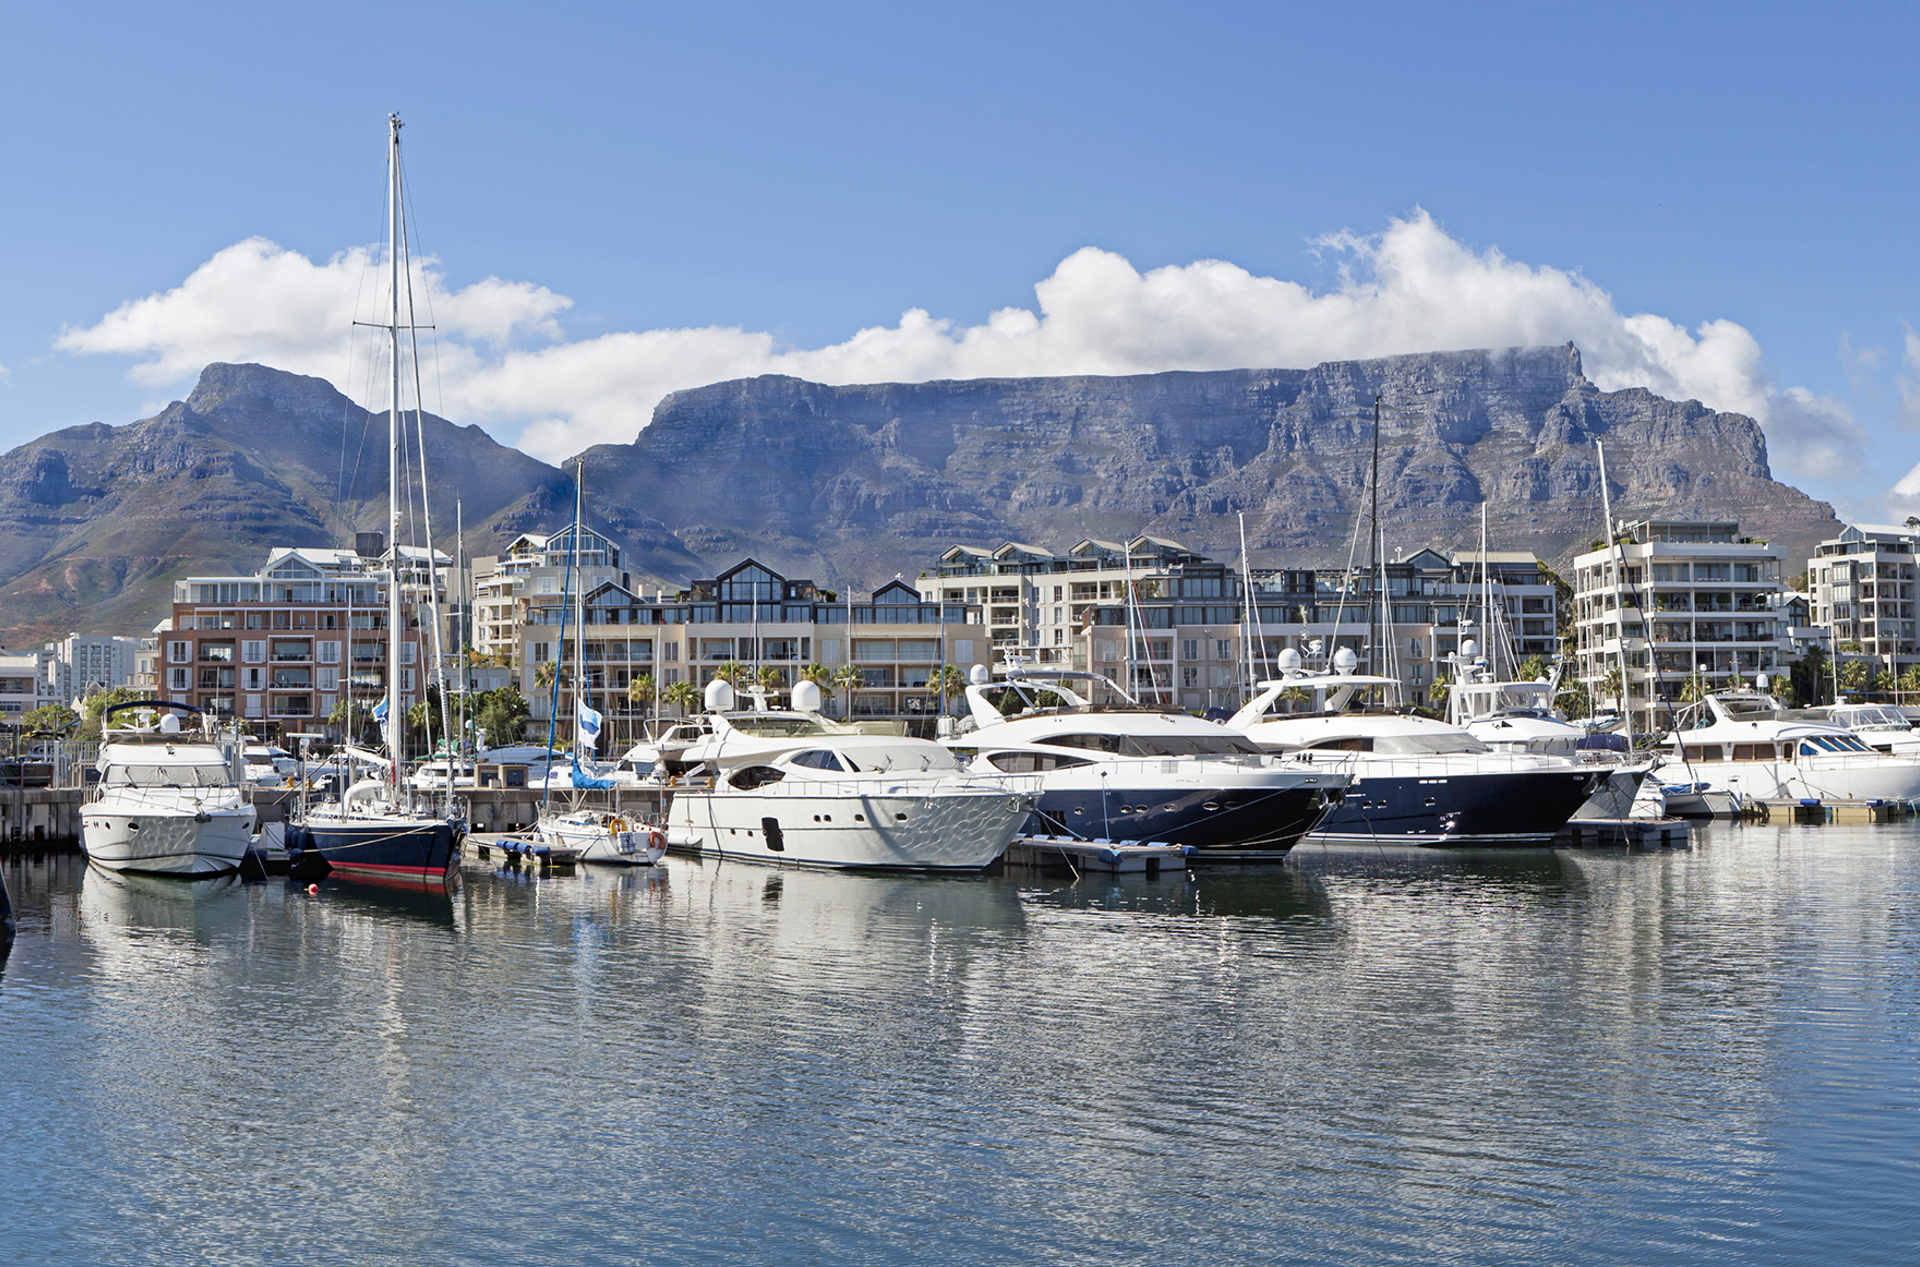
[850, 485]
[860, 482]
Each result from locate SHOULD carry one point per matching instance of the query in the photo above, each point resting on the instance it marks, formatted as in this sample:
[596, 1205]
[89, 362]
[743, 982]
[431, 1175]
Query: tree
[1578, 703]
[640, 689]
[949, 683]
[1436, 693]
[1810, 677]
[503, 714]
[1610, 685]
[1883, 683]
[545, 673]
[846, 677]
[94, 707]
[772, 678]
[49, 718]
[1698, 687]
[1535, 668]
[682, 695]
[1854, 675]
[733, 673]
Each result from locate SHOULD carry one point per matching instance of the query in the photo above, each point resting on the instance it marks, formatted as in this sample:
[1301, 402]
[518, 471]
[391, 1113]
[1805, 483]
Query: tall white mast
[579, 605]
[393, 726]
[1619, 611]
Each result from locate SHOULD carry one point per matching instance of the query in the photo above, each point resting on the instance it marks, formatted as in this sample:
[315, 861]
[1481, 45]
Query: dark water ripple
[1368, 1057]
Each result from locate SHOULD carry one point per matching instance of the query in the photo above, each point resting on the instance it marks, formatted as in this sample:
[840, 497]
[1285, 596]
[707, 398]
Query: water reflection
[1364, 1056]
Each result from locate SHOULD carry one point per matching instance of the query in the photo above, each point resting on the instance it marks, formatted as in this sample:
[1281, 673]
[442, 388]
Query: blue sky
[668, 195]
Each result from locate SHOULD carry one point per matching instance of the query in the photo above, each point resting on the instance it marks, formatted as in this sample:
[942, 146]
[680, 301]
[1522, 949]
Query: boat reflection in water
[426, 900]
[1271, 893]
[147, 923]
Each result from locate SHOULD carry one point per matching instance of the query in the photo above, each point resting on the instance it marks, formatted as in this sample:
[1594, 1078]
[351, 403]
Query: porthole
[1211, 805]
[900, 817]
[859, 818]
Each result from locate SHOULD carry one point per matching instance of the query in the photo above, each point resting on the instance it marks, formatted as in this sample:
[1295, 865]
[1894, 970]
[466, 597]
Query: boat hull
[423, 849]
[1521, 808]
[874, 831]
[1214, 821]
[154, 842]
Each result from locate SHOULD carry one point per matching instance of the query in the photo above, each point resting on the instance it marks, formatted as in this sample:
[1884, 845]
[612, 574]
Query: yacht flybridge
[1126, 772]
[795, 787]
[1416, 780]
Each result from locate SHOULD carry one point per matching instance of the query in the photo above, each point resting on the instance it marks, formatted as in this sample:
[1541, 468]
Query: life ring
[616, 825]
[656, 839]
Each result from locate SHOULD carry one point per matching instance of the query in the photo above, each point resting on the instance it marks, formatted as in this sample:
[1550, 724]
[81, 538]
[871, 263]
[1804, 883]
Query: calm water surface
[1363, 1057]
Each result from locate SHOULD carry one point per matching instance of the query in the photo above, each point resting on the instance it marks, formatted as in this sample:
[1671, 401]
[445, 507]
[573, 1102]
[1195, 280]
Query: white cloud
[1411, 288]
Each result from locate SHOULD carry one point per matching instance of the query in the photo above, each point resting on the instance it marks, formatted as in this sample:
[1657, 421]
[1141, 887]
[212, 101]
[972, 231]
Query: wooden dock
[1111, 857]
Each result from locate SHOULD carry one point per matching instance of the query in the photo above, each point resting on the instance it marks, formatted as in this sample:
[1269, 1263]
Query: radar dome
[1344, 660]
[719, 696]
[979, 675]
[806, 697]
[1469, 649]
[170, 723]
[1289, 660]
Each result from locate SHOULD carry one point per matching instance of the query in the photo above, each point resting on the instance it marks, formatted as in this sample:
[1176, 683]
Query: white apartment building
[81, 663]
[1860, 591]
[1191, 634]
[533, 572]
[23, 684]
[1677, 598]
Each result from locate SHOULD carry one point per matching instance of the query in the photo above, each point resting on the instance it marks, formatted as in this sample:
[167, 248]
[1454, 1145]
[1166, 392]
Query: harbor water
[1363, 1056]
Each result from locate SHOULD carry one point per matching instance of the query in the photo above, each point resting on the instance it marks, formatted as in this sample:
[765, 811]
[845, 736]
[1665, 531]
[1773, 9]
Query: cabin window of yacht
[1224, 745]
[753, 776]
[1348, 743]
[1753, 752]
[1093, 743]
[1706, 752]
[818, 759]
[167, 775]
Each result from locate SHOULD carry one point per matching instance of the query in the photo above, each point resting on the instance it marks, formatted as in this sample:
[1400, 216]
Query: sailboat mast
[392, 675]
[579, 604]
[1380, 589]
[1619, 560]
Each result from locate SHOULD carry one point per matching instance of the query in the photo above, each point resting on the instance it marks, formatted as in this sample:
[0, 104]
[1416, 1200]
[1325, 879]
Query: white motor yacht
[168, 800]
[1123, 771]
[1417, 780]
[795, 787]
[1881, 726]
[1742, 745]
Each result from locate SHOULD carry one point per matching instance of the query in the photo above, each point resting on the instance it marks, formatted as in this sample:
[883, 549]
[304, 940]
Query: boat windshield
[1877, 716]
[166, 776]
[1757, 708]
[777, 727]
[1158, 745]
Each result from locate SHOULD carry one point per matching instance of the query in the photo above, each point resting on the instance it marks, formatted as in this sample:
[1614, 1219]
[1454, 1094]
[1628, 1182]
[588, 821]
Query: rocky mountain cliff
[96, 522]
[860, 482]
[850, 485]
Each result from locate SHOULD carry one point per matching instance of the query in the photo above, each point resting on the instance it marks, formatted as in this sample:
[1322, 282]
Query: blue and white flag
[380, 712]
[587, 731]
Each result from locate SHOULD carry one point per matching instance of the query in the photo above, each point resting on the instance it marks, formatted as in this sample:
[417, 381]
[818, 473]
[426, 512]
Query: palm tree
[640, 690]
[773, 679]
[846, 677]
[681, 695]
[733, 673]
[949, 683]
[1436, 694]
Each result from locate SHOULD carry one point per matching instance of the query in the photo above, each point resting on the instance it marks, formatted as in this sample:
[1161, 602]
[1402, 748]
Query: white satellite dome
[719, 696]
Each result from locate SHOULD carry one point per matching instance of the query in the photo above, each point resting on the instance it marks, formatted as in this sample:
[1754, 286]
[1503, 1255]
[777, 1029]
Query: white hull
[1825, 778]
[137, 834]
[597, 841]
[824, 824]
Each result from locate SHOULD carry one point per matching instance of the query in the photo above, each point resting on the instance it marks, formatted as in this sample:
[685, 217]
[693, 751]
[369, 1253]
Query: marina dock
[1114, 857]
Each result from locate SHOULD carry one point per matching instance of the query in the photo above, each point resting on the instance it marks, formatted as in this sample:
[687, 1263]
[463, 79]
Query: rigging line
[426, 508]
[406, 225]
[359, 297]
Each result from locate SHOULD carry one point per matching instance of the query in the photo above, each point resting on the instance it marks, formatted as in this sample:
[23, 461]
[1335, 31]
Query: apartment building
[535, 569]
[1860, 591]
[81, 663]
[1193, 633]
[892, 643]
[284, 645]
[23, 684]
[1677, 598]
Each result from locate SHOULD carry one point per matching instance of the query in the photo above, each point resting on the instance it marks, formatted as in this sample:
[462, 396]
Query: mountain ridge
[853, 484]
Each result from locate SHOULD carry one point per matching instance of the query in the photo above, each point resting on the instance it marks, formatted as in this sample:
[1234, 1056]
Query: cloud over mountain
[505, 362]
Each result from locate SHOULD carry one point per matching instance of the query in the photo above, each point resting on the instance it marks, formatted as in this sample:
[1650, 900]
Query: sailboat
[598, 835]
[375, 828]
